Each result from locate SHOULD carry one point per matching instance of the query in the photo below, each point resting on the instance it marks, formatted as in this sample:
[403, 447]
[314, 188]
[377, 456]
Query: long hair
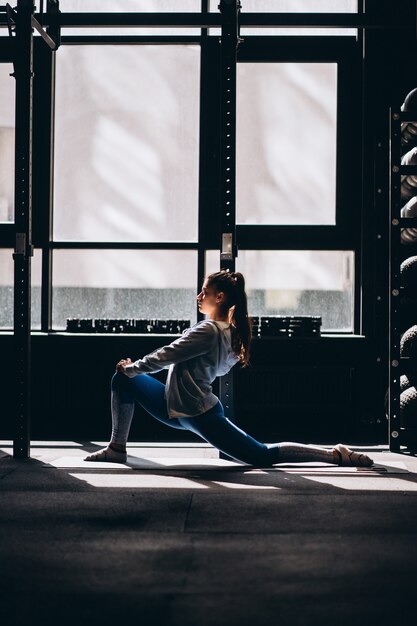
[233, 286]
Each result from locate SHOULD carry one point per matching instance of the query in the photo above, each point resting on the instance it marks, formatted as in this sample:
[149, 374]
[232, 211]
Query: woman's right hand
[120, 367]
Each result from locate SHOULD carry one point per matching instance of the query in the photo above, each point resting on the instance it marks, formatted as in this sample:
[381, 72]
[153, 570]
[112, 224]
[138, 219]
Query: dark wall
[294, 389]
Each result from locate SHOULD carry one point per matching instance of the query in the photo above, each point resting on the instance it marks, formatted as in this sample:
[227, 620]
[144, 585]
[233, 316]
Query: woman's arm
[195, 341]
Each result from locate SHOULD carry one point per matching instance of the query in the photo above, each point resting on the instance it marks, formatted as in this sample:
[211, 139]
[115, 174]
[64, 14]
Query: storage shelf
[398, 252]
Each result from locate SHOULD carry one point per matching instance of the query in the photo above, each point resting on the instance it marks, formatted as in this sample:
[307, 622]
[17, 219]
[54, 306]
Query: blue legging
[212, 426]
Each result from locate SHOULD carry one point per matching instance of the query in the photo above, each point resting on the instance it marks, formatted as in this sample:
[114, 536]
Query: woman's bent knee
[118, 379]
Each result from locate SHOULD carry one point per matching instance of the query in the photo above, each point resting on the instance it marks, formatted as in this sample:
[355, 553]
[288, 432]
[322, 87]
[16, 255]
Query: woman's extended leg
[145, 390]
[218, 430]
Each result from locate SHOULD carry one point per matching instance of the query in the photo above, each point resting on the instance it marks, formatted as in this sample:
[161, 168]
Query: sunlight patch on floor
[139, 481]
[365, 483]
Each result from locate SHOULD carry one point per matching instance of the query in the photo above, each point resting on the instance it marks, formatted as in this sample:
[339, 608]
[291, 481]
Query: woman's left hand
[120, 367]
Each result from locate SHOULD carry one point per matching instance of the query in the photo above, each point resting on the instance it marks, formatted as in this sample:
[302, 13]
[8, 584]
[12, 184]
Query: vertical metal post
[23, 223]
[394, 283]
[229, 42]
[228, 249]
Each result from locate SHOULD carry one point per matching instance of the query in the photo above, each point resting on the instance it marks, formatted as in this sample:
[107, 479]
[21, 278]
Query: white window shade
[286, 143]
[127, 143]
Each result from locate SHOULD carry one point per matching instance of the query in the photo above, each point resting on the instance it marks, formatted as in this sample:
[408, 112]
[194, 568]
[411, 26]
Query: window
[126, 143]
[297, 282]
[132, 192]
[286, 143]
[123, 284]
[7, 130]
[126, 152]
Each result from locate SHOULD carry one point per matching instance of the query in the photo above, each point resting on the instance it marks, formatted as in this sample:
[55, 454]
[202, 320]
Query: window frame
[345, 51]
[344, 234]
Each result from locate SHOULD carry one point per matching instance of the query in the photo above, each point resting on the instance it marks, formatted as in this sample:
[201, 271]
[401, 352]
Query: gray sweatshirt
[203, 352]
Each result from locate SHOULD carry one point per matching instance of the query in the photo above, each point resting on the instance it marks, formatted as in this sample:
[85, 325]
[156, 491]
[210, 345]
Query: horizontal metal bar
[297, 237]
[213, 20]
[7, 48]
[407, 116]
[321, 47]
[262, 48]
[408, 222]
[408, 169]
[127, 20]
[327, 335]
[320, 20]
[7, 235]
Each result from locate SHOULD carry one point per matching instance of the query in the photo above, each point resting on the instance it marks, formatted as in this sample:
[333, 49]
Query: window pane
[294, 6]
[126, 152]
[130, 6]
[286, 143]
[6, 288]
[212, 261]
[7, 128]
[124, 284]
[297, 282]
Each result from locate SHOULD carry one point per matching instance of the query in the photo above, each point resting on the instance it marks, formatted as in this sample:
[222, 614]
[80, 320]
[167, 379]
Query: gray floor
[178, 536]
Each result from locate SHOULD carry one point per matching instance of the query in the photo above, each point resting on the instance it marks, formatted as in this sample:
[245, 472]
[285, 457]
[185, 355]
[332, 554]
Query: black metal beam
[213, 20]
[23, 223]
[320, 20]
[287, 237]
[7, 235]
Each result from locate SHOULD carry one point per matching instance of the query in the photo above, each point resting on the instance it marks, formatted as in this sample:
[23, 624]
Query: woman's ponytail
[239, 319]
[233, 286]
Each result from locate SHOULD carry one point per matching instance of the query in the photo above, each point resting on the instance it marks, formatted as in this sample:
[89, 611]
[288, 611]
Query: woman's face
[209, 299]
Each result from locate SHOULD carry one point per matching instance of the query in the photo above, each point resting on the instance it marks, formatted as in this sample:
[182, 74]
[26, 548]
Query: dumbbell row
[88, 325]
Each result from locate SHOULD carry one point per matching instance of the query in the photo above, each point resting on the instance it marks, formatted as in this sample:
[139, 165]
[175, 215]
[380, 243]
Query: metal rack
[21, 23]
[230, 10]
[398, 435]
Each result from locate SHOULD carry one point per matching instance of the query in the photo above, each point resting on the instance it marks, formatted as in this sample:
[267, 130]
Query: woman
[209, 349]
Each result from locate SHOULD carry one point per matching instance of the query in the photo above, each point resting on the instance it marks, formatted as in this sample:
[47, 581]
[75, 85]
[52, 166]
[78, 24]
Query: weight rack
[397, 434]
